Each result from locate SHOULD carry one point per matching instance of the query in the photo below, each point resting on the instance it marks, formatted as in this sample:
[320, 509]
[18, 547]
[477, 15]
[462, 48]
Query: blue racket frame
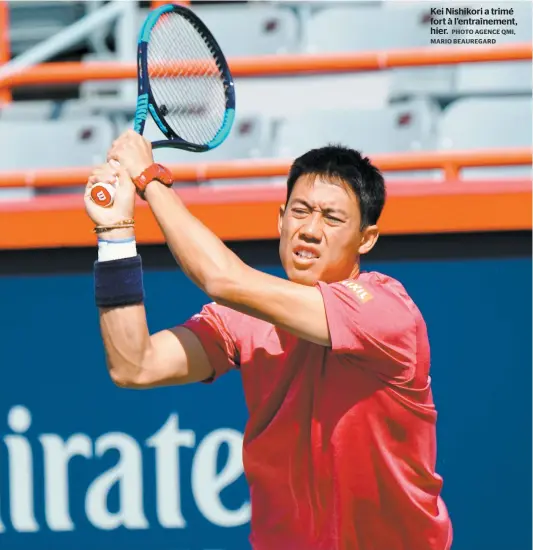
[145, 99]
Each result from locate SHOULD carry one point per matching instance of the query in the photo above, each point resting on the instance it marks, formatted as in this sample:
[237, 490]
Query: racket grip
[103, 194]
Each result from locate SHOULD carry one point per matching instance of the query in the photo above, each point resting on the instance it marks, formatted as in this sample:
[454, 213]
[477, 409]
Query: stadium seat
[54, 144]
[405, 126]
[253, 29]
[32, 22]
[41, 109]
[250, 138]
[496, 78]
[96, 92]
[508, 77]
[479, 123]
[387, 26]
[46, 109]
[360, 28]
[284, 96]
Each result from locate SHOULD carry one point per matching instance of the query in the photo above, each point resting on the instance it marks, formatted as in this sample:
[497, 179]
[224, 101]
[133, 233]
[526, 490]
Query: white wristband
[116, 250]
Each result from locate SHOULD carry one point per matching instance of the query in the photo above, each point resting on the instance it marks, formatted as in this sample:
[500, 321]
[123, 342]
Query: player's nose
[311, 229]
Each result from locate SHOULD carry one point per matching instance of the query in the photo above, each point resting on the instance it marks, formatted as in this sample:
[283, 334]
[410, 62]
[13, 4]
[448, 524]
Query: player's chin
[308, 276]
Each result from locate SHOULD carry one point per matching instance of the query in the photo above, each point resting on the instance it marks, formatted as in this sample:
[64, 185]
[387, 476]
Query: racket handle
[103, 194]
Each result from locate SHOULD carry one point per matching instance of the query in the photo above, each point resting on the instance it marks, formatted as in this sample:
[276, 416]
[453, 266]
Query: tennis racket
[184, 83]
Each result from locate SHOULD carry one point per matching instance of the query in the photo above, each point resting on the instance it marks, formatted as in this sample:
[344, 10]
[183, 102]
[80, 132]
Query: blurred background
[85, 465]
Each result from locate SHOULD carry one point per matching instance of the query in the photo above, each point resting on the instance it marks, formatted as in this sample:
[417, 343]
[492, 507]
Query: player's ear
[280, 217]
[369, 237]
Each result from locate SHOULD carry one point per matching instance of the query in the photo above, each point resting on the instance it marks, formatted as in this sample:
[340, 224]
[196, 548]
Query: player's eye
[299, 211]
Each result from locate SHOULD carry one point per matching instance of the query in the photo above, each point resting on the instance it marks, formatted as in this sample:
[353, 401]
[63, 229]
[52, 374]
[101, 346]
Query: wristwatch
[153, 172]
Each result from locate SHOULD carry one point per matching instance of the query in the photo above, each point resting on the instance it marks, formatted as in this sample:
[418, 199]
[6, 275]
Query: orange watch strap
[154, 172]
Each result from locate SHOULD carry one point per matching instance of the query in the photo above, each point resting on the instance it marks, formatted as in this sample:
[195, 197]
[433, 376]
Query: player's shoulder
[381, 282]
[370, 285]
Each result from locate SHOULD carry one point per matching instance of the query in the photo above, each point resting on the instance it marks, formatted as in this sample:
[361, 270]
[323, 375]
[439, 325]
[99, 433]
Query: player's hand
[132, 151]
[124, 204]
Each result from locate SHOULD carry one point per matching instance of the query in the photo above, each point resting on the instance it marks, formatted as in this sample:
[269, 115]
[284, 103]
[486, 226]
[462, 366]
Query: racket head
[184, 81]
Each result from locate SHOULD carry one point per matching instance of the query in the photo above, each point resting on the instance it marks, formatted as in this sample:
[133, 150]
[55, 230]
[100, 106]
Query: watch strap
[154, 172]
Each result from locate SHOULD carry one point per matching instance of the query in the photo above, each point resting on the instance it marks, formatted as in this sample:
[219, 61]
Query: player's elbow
[225, 285]
[123, 378]
[219, 287]
[125, 375]
[131, 382]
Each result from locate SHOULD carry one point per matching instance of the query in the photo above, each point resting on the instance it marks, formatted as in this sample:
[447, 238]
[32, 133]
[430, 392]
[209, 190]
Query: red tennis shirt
[340, 447]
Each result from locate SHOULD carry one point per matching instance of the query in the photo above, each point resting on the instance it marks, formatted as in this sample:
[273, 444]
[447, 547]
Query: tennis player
[340, 447]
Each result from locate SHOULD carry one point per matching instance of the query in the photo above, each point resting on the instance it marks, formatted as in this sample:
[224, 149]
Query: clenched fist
[124, 203]
[132, 151]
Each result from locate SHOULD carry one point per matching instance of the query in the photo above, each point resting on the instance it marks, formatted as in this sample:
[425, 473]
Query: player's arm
[136, 359]
[214, 267]
[220, 273]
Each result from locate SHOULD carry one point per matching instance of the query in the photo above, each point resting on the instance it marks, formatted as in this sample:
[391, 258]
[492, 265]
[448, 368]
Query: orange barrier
[449, 161]
[419, 207]
[275, 65]
[249, 213]
[5, 49]
[156, 3]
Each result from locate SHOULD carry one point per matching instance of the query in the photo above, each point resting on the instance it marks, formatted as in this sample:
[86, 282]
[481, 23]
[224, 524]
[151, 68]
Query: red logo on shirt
[362, 294]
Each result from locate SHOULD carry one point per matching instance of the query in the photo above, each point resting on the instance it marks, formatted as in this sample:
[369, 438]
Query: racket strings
[206, 74]
[186, 79]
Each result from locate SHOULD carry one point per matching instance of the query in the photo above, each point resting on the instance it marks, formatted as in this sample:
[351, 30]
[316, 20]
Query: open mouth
[304, 255]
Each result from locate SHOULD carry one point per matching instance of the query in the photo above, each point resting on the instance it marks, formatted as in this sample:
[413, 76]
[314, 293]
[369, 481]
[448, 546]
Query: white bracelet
[116, 250]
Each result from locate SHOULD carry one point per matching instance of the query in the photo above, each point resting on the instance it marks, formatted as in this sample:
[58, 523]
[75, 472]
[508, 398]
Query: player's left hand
[132, 151]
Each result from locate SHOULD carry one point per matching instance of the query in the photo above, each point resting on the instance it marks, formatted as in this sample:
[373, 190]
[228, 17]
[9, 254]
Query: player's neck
[355, 271]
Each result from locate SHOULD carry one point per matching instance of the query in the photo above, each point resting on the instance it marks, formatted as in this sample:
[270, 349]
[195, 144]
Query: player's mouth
[305, 255]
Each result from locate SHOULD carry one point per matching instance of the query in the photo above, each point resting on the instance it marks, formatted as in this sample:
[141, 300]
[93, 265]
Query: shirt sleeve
[215, 327]
[373, 325]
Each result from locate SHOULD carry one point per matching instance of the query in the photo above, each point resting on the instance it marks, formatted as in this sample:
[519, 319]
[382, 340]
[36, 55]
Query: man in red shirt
[340, 447]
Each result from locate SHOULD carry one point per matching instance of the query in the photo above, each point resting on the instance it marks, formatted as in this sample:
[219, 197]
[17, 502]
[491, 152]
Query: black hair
[349, 166]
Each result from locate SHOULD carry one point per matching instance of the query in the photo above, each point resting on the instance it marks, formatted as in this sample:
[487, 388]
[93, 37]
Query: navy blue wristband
[119, 282]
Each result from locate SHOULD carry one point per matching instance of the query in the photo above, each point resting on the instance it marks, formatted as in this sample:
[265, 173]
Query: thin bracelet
[119, 225]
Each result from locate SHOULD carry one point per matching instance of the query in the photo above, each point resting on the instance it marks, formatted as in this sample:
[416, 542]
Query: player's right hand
[124, 202]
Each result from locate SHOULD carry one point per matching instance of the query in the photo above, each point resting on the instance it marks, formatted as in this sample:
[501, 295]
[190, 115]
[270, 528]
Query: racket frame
[145, 100]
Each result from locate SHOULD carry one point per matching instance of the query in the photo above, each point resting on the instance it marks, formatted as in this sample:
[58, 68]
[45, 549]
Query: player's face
[320, 235]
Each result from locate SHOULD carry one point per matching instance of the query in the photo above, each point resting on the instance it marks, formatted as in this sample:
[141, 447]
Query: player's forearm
[126, 340]
[124, 329]
[203, 257]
